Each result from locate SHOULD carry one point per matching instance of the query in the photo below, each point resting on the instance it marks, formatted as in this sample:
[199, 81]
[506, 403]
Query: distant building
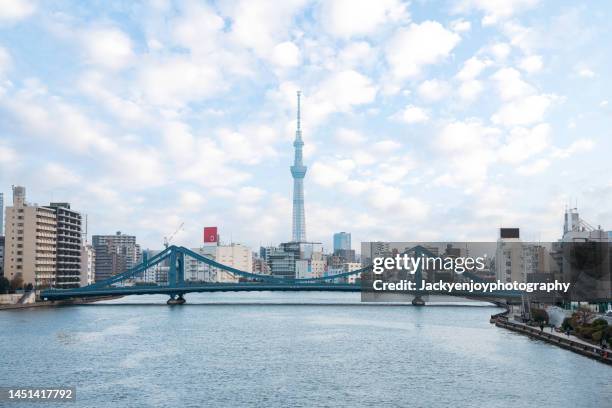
[371, 250]
[68, 244]
[30, 242]
[282, 263]
[260, 266]
[350, 267]
[114, 254]
[2, 214]
[1, 255]
[342, 241]
[509, 256]
[88, 265]
[234, 255]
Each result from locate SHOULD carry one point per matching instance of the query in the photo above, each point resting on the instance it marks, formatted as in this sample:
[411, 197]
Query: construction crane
[169, 239]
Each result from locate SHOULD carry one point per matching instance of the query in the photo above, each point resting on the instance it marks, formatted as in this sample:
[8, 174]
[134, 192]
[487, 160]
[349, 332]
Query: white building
[234, 255]
[350, 267]
[88, 265]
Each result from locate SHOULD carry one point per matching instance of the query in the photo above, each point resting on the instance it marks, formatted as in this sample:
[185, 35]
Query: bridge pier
[176, 299]
[418, 301]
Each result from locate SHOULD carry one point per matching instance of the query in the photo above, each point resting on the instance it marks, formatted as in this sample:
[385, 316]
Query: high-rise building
[342, 241]
[1, 255]
[30, 243]
[114, 254]
[68, 246]
[298, 171]
[1, 213]
[88, 265]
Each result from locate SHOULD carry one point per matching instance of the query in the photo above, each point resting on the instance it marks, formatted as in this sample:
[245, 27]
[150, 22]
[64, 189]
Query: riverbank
[56, 303]
[571, 343]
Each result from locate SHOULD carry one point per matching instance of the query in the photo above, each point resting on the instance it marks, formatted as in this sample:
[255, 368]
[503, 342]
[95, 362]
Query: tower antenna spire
[299, 111]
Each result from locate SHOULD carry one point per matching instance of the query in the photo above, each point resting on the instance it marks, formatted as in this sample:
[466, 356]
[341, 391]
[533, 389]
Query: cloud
[412, 114]
[191, 200]
[107, 47]
[580, 145]
[339, 92]
[177, 80]
[419, 45]
[14, 10]
[331, 173]
[523, 143]
[531, 64]
[496, 10]
[57, 175]
[524, 111]
[467, 149]
[535, 167]
[472, 68]
[510, 85]
[433, 90]
[260, 24]
[286, 54]
[585, 72]
[5, 61]
[8, 155]
[469, 90]
[349, 136]
[461, 26]
[347, 18]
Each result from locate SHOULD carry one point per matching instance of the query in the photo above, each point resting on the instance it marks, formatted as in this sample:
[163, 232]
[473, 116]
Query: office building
[114, 254]
[68, 246]
[30, 242]
[342, 241]
[282, 263]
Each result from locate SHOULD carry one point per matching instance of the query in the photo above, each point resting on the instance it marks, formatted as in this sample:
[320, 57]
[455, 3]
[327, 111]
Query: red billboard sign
[210, 234]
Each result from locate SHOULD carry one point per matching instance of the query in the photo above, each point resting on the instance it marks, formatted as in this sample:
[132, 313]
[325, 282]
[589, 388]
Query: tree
[539, 315]
[16, 282]
[4, 285]
[583, 315]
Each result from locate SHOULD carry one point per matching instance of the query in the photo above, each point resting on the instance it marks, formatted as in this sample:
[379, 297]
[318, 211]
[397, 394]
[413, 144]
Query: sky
[422, 120]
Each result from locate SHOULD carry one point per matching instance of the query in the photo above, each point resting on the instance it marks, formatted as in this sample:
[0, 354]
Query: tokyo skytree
[298, 171]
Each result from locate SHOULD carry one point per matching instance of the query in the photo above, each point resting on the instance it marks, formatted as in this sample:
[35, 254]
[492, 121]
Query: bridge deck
[239, 287]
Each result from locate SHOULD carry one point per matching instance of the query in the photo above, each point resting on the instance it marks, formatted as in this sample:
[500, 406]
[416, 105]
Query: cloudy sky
[429, 120]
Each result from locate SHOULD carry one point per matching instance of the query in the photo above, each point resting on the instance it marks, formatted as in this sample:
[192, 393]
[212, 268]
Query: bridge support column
[418, 301]
[176, 299]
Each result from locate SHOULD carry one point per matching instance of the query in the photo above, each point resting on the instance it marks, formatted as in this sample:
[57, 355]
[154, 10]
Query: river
[289, 350]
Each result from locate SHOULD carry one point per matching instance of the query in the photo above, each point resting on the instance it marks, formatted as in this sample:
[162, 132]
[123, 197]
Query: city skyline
[143, 146]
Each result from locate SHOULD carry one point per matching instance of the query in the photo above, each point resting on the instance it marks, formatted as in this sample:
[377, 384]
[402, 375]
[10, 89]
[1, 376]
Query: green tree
[5, 285]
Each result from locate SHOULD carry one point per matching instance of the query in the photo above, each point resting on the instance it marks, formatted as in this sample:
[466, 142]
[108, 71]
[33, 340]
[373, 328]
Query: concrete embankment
[575, 345]
[56, 303]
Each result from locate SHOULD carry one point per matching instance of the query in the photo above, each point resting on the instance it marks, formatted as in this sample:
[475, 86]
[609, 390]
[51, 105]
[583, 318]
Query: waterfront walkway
[570, 342]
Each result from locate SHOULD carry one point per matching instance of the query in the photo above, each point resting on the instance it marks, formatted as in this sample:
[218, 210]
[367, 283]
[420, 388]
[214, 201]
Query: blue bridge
[164, 273]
